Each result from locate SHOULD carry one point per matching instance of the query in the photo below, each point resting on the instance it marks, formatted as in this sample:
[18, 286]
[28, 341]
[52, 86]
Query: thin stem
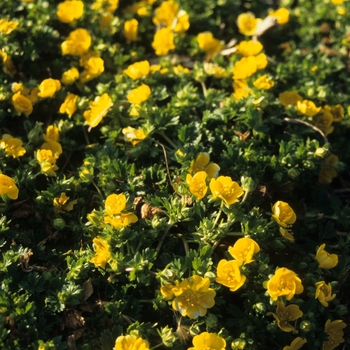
[298, 121]
[245, 196]
[160, 243]
[165, 137]
[86, 136]
[156, 346]
[97, 189]
[204, 88]
[186, 247]
[219, 213]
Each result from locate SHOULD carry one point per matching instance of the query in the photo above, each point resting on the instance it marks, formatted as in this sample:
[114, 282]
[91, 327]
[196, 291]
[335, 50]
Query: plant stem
[171, 143]
[97, 189]
[157, 346]
[219, 213]
[204, 88]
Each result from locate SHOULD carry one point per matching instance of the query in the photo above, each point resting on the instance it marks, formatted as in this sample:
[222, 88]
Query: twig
[298, 121]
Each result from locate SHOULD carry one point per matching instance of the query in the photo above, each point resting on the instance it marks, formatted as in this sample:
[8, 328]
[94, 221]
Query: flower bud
[293, 173]
[306, 326]
[238, 344]
[260, 308]
[320, 152]
[36, 134]
[168, 337]
[59, 224]
[248, 184]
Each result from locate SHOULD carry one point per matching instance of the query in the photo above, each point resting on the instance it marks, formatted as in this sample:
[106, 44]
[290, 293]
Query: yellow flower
[325, 260]
[209, 44]
[247, 23]
[229, 274]
[112, 5]
[139, 95]
[69, 105]
[244, 68]
[163, 41]
[324, 293]
[307, 108]
[337, 2]
[130, 29]
[336, 111]
[130, 342]
[98, 109]
[227, 190]
[244, 249]
[283, 214]
[289, 98]
[77, 43]
[214, 69]
[264, 83]
[47, 161]
[281, 15]
[69, 11]
[249, 48]
[341, 10]
[168, 290]
[166, 13]
[260, 61]
[93, 64]
[202, 163]
[49, 87]
[334, 330]
[324, 121]
[241, 89]
[105, 22]
[209, 341]
[22, 104]
[52, 133]
[287, 234]
[197, 184]
[121, 220]
[284, 283]
[70, 76]
[137, 70]
[328, 171]
[8, 187]
[178, 70]
[296, 344]
[8, 66]
[284, 315]
[61, 204]
[193, 297]
[12, 146]
[7, 27]
[102, 254]
[182, 22]
[54, 146]
[134, 136]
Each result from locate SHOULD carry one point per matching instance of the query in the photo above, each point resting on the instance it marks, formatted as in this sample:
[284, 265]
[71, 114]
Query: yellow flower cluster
[209, 44]
[102, 253]
[207, 340]
[12, 146]
[8, 187]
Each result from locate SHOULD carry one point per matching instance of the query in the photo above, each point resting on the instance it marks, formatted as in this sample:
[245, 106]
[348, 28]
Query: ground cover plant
[174, 174]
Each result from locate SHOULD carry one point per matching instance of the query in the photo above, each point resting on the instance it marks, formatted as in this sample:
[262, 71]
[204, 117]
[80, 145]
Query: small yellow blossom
[102, 254]
[178, 70]
[209, 44]
[134, 136]
[77, 43]
[47, 162]
[324, 121]
[48, 88]
[168, 290]
[249, 48]
[324, 293]
[261, 61]
[182, 22]
[281, 15]
[69, 11]
[93, 65]
[105, 22]
[52, 133]
[197, 184]
[341, 10]
[283, 214]
[12, 146]
[69, 105]
[325, 260]
[244, 68]
[285, 314]
[214, 70]
[202, 163]
[130, 29]
[111, 5]
[247, 23]
[334, 330]
[139, 95]
[288, 98]
[229, 275]
[241, 89]
[314, 68]
[193, 297]
[163, 41]
[7, 27]
[22, 104]
[225, 189]
[328, 172]
[338, 2]
[8, 65]
[137, 70]
[308, 108]
[285, 283]
[70, 76]
[244, 249]
[130, 342]
[264, 83]
[61, 204]
[337, 112]
[287, 234]
[296, 344]
[98, 109]
[8, 187]
[209, 341]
